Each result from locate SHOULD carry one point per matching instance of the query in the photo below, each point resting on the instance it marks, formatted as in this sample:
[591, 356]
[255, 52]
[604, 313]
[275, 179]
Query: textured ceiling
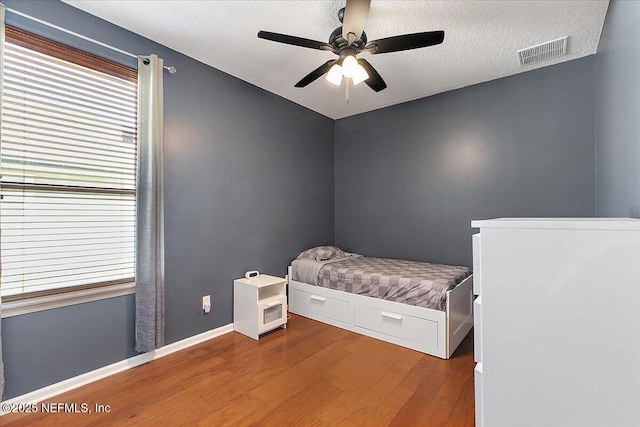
[481, 41]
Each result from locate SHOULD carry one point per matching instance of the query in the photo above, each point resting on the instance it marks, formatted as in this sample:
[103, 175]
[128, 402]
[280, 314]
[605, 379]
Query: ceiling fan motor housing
[338, 42]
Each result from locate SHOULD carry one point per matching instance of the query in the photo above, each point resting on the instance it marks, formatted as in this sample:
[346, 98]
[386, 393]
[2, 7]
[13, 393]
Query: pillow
[322, 253]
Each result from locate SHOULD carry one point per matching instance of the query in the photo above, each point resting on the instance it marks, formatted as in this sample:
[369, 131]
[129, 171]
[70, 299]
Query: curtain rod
[170, 69]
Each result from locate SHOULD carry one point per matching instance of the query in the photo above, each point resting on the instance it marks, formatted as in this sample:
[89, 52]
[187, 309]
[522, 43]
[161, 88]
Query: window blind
[68, 158]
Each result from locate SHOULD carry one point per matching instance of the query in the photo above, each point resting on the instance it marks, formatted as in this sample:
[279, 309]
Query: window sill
[47, 302]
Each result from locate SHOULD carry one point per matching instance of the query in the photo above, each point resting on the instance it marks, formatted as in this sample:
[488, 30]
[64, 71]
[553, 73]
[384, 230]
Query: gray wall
[239, 163]
[618, 112]
[410, 178]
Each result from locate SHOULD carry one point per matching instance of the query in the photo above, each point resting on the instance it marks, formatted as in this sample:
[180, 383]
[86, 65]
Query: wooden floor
[309, 374]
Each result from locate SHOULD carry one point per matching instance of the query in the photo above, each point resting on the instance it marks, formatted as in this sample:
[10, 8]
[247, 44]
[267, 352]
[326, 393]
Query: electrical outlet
[206, 303]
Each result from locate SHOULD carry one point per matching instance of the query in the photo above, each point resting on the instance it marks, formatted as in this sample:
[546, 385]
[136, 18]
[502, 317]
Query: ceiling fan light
[335, 75]
[349, 66]
[360, 75]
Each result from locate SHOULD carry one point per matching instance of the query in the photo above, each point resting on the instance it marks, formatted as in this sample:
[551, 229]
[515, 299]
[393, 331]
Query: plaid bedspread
[409, 282]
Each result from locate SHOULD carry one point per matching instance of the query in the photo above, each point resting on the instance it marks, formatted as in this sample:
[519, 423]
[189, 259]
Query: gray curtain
[2, 12]
[150, 208]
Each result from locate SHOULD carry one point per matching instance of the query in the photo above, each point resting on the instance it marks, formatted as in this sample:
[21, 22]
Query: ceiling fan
[348, 41]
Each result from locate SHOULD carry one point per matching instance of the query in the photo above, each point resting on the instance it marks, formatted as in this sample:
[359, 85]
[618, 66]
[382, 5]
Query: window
[68, 158]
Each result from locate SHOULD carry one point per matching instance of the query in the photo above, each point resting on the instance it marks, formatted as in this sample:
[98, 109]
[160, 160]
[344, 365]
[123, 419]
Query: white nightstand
[259, 305]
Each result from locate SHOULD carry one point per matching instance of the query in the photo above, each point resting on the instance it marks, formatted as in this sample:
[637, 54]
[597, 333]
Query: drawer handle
[391, 315]
[317, 298]
[273, 304]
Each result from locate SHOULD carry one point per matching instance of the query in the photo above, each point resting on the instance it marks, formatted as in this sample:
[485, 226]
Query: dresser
[557, 322]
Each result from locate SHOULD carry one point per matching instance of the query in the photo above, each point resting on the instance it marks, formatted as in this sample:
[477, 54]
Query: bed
[423, 306]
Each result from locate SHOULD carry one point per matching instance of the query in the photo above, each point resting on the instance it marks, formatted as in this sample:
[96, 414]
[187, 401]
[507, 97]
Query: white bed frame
[430, 331]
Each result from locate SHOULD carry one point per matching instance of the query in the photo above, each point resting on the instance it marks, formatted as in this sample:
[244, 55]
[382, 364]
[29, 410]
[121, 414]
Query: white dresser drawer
[477, 270]
[331, 308]
[478, 381]
[477, 329]
[398, 325]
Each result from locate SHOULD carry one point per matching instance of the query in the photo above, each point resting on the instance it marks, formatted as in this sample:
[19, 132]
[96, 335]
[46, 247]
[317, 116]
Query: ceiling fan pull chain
[346, 83]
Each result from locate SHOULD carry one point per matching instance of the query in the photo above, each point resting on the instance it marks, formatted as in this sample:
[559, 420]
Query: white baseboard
[64, 386]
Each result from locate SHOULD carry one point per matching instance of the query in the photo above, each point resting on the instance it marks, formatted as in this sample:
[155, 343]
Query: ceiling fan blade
[405, 42]
[374, 81]
[315, 74]
[295, 41]
[355, 16]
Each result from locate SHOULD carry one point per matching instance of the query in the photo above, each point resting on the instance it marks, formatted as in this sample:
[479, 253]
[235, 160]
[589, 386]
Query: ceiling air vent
[543, 51]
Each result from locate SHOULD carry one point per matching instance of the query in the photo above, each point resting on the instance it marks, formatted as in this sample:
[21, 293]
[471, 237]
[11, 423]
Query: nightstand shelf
[259, 305]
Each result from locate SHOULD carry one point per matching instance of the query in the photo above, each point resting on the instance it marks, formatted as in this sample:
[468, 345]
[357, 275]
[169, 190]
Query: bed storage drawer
[320, 305]
[395, 324]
